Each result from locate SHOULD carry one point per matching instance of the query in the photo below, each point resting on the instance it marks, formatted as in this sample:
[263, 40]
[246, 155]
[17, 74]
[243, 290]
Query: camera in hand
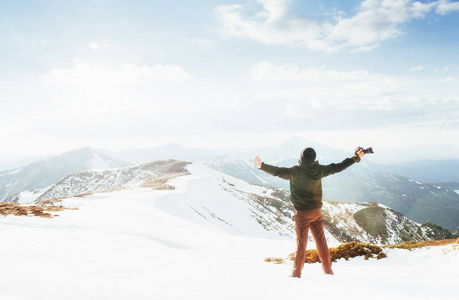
[368, 150]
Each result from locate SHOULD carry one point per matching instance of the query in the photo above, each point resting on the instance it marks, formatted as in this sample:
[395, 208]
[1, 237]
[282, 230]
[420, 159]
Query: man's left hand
[257, 162]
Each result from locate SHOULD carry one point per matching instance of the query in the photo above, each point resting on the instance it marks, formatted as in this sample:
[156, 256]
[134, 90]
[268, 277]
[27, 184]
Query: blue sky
[128, 74]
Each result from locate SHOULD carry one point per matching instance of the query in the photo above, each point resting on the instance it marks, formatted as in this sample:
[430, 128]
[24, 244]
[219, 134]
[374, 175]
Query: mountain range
[445, 170]
[364, 182]
[206, 235]
[237, 207]
[46, 172]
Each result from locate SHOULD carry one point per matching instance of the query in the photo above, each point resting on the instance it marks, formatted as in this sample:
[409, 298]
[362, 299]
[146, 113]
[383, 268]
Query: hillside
[365, 182]
[140, 243]
[419, 201]
[375, 223]
[48, 171]
[444, 170]
[154, 175]
[237, 207]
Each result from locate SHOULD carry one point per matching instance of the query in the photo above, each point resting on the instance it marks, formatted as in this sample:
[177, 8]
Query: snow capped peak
[205, 196]
[154, 175]
[93, 159]
[298, 142]
[48, 171]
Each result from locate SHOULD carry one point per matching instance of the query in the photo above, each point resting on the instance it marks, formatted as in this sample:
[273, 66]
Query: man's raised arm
[284, 173]
[336, 168]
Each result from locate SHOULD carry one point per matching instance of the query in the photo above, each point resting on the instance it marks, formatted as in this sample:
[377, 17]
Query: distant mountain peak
[46, 172]
[80, 150]
[297, 140]
[153, 174]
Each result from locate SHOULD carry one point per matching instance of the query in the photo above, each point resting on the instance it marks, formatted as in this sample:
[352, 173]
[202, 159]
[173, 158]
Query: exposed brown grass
[354, 249]
[161, 182]
[346, 251]
[274, 260]
[12, 209]
[39, 209]
[410, 245]
[48, 202]
[82, 195]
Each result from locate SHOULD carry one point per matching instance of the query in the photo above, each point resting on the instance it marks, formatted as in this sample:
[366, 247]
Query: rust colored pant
[305, 220]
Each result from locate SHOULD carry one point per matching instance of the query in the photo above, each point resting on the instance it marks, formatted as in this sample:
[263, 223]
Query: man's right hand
[360, 153]
[257, 162]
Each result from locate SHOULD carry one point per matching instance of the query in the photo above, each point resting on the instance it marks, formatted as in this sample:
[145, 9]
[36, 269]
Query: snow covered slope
[205, 196]
[361, 182]
[191, 192]
[27, 196]
[142, 243]
[152, 174]
[46, 172]
[376, 223]
[416, 200]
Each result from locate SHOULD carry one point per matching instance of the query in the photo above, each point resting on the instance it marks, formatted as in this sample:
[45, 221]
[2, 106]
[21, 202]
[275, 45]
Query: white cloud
[419, 10]
[87, 74]
[449, 67]
[365, 48]
[374, 22]
[270, 26]
[446, 6]
[275, 9]
[202, 42]
[94, 46]
[417, 69]
[326, 89]
[265, 71]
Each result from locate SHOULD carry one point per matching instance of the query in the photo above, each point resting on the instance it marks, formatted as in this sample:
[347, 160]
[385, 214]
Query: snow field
[110, 250]
[145, 244]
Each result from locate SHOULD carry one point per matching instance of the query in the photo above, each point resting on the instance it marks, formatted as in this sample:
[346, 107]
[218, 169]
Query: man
[306, 195]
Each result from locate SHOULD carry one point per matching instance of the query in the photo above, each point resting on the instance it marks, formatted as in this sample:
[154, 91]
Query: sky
[226, 73]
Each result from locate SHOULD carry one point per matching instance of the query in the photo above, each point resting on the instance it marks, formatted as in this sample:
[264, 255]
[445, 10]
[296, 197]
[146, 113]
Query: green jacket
[305, 180]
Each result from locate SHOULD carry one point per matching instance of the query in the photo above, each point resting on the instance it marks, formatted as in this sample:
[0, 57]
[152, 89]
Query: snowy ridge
[232, 205]
[118, 178]
[361, 182]
[202, 195]
[237, 167]
[418, 201]
[126, 244]
[48, 171]
[27, 196]
[376, 223]
[205, 196]
[199, 241]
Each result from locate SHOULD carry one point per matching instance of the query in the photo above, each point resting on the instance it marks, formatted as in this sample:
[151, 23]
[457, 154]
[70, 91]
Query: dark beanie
[308, 154]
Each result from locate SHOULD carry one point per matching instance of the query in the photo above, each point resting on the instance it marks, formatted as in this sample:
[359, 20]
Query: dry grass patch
[161, 182]
[354, 249]
[41, 209]
[83, 195]
[346, 251]
[274, 260]
[410, 245]
[12, 209]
